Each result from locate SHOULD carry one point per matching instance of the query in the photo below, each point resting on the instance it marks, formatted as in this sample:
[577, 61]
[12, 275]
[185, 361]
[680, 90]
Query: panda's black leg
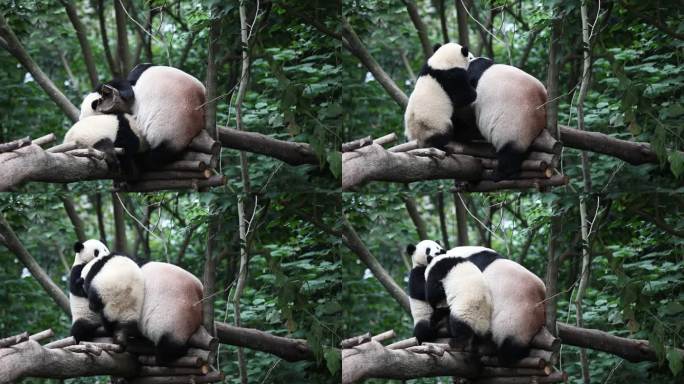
[170, 349]
[129, 167]
[83, 329]
[459, 331]
[94, 300]
[438, 141]
[158, 157]
[509, 161]
[511, 351]
[423, 331]
[106, 146]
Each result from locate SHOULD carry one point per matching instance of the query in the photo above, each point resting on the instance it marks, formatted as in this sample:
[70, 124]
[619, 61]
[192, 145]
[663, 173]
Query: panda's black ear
[436, 47]
[464, 51]
[96, 252]
[78, 247]
[410, 249]
[95, 103]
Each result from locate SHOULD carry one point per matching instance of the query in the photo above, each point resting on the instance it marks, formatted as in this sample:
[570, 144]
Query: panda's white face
[87, 105]
[448, 56]
[424, 252]
[88, 250]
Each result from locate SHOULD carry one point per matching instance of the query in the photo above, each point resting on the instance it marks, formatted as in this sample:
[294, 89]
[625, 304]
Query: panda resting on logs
[425, 317]
[168, 105]
[84, 321]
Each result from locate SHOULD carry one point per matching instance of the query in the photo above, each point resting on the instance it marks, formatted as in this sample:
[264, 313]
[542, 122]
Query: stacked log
[194, 367]
[539, 169]
[538, 367]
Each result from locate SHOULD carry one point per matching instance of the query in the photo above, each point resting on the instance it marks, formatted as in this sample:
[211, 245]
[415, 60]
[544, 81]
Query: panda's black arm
[456, 83]
[76, 282]
[94, 300]
[416, 283]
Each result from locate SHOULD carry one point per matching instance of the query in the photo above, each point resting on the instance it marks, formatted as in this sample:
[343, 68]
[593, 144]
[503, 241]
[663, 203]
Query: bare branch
[290, 152]
[82, 41]
[122, 50]
[420, 27]
[105, 41]
[14, 47]
[418, 221]
[76, 221]
[283, 347]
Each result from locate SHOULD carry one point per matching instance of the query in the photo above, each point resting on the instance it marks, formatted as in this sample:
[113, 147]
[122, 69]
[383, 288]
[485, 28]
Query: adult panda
[115, 289]
[425, 317]
[106, 132]
[509, 111]
[454, 278]
[172, 309]
[518, 296]
[441, 89]
[84, 321]
[167, 103]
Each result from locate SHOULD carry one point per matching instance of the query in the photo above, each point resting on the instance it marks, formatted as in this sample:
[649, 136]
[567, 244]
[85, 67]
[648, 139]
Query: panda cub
[453, 277]
[425, 318]
[441, 89]
[84, 321]
[115, 287]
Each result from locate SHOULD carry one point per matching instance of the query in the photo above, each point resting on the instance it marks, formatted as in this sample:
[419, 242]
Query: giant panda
[167, 103]
[425, 317]
[172, 309]
[518, 296]
[453, 277]
[115, 288]
[509, 111]
[84, 321]
[106, 132]
[441, 89]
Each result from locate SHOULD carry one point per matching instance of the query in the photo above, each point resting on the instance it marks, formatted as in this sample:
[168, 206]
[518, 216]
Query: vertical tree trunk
[209, 275]
[443, 20]
[442, 220]
[418, 221]
[551, 278]
[120, 243]
[552, 78]
[74, 218]
[210, 111]
[461, 219]
[420, 27]
[122, 39]
[96, 200]
[462, 17]
[105, 40]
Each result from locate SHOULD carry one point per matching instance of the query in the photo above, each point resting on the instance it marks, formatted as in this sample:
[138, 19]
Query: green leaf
[676, 159]
[674, 359]
[335, 161]
[333, 360]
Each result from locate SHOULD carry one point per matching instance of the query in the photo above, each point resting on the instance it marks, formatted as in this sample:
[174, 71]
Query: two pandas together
[111, 292]
[153, 115]
[478, 294]
[459, 97]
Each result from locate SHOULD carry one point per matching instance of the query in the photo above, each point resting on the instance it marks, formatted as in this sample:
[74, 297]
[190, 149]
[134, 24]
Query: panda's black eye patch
[94, 104]
[427, 251]
[464, 51]
[97, 252]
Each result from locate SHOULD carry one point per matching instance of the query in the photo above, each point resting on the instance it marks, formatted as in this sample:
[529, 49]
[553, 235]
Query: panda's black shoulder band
[417, 283]
[76, 286]
[95, 269]
[484, 258]
[134, 75]
[476, 68]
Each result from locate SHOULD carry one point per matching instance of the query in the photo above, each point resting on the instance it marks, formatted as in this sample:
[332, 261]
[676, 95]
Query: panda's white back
[92, 129]
[169, 102]
[428, 106]
[120, 285]
[515, 104]
[468, 296]
[80, 309]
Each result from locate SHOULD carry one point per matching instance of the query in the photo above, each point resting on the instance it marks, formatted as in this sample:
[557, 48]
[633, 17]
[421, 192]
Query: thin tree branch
[418, 221]
[420, 27]
[122, 49]
[105, 40]
[82, 35]
[73, 217]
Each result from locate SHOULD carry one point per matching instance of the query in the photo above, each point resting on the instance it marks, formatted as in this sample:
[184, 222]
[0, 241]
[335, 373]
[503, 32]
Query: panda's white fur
[92, 129]
[115, 287]
[518, 296]
[172, 309]
[466, 293]
[87, 105]
[509, 110]
[428, 116]
[424, 326]
[84, 320]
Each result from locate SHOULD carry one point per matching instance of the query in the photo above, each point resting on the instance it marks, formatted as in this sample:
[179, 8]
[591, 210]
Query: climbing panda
[167, 103]
[106, 132]
[425, 317]
[509, 111]
[452, 276]
[172, 309]
[441, 89]
[517, 296]
[115, 288]
[84, 321]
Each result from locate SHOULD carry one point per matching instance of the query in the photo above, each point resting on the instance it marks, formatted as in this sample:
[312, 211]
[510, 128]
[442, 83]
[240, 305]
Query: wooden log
[147, 370]
[61, 343]
[526, 165]
[175, 175]
[388, 138]
[141, 347]
[158, 185]
[185, 165]
[547, 143]
[11, 340]
[490, 186]
[86, 152]
[49, 138]
[84, 348]
[404, 147]
[109, 347]
[527, 362]
[490, 174]
[42, 335]
[508, 371]
[384, 336]
[548, 356]
[62, 147]
[432, 349]
[428, 152]
[354, 341]
[403, 344]
[545, 340]
[356, 144]
[205, 144]
[477, 149]
[550, 159]
[210, 160]
[204, 354]
[183, 361]
[556, 377]
[203, 340]
[15, 144]
[211, 377]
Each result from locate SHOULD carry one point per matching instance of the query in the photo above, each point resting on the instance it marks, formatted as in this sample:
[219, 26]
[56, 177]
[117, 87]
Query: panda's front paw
[422, 331]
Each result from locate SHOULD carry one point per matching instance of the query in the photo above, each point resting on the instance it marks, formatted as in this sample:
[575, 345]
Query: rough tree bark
[462, 18]
[412, 9]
